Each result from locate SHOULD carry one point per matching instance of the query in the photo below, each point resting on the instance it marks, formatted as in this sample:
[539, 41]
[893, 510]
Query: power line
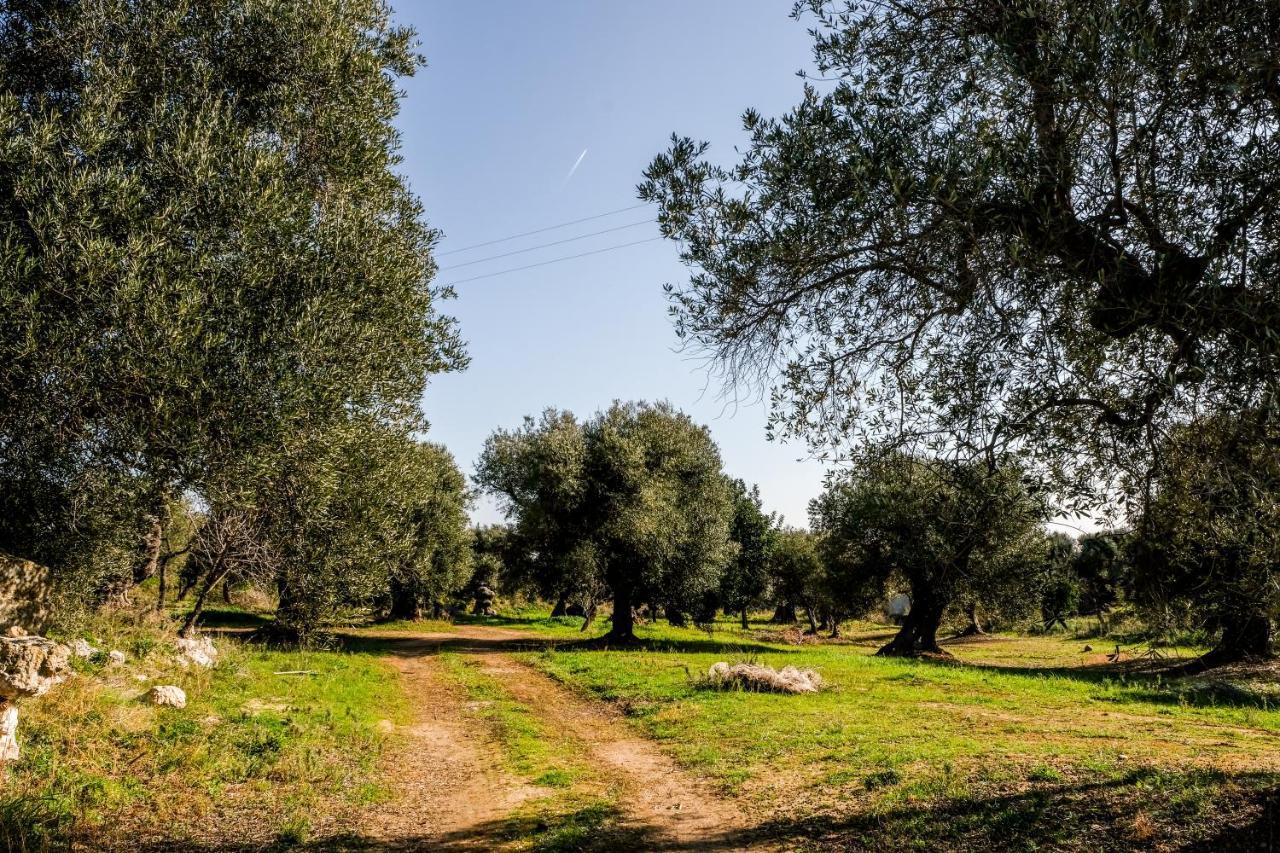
[555, 260]
[541, 230]
[547, 245]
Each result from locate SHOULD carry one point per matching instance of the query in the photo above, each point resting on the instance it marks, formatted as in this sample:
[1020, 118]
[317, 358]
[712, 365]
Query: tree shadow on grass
[1146, 682]
[1195, 812]
[414, 646]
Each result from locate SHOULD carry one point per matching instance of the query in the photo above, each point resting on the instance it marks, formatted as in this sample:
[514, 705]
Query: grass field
[272, 755]
[1025, 742]
[1022, 743]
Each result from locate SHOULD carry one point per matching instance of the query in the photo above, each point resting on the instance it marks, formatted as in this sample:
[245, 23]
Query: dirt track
[451, 792]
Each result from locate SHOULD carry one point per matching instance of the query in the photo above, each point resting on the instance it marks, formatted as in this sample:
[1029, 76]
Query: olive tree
[1039, 226]
[1208, 536]
[205, 247]
[745, 583]
[944, 528]
[632, 503]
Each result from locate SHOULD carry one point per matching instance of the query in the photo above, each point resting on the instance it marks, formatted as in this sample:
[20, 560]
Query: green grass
[261, 751]
[1020, 737]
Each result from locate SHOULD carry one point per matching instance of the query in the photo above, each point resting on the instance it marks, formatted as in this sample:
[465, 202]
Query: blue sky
[513, 93]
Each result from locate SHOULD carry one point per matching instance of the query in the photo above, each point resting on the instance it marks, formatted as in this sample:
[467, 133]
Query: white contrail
[576, 164]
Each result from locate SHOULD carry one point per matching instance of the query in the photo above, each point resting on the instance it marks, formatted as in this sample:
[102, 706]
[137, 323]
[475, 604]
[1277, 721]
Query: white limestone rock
[168, 694]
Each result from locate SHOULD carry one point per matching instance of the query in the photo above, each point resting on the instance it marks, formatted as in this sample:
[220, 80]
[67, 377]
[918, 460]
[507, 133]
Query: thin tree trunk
[813, 619]
[589, 616]
[226, 591]
[745, 624]
[188, 625]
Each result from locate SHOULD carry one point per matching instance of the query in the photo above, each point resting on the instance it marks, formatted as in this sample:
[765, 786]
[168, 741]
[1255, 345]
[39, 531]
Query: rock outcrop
[26, 594]
[29, 666]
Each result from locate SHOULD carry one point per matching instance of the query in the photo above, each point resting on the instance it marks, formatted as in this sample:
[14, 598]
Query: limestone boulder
[30, 666]
[26, 594]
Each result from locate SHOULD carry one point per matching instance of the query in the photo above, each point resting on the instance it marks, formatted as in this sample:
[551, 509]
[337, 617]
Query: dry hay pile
[750, 676]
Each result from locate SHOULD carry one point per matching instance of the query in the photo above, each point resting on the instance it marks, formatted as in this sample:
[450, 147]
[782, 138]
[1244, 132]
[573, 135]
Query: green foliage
[947, 529]
[1208, 542]
[745, 582]
[1059, 585]
[379, 521]
[205, 251]
[797, 574]
[632, 501]
[1050, 224]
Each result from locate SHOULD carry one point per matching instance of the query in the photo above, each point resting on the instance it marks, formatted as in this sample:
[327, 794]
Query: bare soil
[450, 791]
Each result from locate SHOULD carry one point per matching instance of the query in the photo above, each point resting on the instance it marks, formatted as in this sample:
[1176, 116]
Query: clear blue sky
[513, 93]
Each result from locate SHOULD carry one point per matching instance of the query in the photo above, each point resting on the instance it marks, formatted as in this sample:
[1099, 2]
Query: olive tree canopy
[1051, 224]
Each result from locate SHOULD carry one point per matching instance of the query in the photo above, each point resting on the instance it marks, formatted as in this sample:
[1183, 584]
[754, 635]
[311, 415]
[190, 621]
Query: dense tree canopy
[745, 583]
[946, 529]
[1208, 541]
[633, 502]
[205, 250]
[1038, 222]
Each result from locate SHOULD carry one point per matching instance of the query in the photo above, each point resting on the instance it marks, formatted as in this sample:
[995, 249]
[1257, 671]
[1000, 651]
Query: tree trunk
[151, 548]
[813, 619]
[189, 624]
[919, 632]
[1245, 636]
[162, 585]
[588, 617]
[226, 592]
[623, 628]
[561, 608]
[784, 614]
[675, 616]
[974, 628]
[404, 603]
[745, 624]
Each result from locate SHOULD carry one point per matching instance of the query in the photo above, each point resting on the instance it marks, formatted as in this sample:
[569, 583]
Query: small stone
[16, 631]
[116, 656]
[82, 649]
[9, 732]
[168, 694]
[1087, 649]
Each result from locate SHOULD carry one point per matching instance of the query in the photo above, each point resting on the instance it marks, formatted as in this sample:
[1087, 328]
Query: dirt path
[450, 790]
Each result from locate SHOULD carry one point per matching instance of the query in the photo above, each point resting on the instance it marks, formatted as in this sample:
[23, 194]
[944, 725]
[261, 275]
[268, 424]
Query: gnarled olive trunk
[1245, 636]
[405, 603]
[561, 608]
[974, 628]
[919, 631]
[784, 614]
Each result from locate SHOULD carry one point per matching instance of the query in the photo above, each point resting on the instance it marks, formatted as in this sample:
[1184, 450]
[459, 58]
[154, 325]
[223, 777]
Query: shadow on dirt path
[447, 783]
